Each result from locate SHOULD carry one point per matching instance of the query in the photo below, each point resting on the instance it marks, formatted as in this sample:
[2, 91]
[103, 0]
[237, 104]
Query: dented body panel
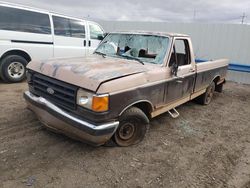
[152, 87]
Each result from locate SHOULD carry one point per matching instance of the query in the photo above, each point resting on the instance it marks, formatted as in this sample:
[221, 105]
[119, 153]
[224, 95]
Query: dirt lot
[207, 146]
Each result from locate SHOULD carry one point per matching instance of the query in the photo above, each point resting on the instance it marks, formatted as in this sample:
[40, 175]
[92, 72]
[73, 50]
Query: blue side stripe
[234, 66]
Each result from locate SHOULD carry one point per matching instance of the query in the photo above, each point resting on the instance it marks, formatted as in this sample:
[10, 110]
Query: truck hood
[87, 72]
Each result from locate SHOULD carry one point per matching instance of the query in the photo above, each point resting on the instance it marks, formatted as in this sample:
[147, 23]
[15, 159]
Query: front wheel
[134, 125]
[13, 68]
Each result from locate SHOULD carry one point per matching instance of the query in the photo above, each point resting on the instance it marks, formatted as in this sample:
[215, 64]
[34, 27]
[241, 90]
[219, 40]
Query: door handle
[89, 43]
[84, 43]
[179, 81]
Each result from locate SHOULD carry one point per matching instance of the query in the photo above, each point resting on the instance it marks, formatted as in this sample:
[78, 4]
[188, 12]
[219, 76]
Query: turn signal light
[100, 103]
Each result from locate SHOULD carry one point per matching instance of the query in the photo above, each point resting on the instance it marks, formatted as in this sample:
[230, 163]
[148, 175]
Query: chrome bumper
[59, 120]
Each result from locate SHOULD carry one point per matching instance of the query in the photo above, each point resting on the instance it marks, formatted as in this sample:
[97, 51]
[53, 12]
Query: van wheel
[13, 68]
[134, 125]
[206, 98]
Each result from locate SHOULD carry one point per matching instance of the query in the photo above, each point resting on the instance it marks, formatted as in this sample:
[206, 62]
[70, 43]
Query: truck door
[180, 86]
[95, 32]
[69, 37]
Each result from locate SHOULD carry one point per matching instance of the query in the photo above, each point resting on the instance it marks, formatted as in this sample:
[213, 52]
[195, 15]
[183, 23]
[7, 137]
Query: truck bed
[208, 71]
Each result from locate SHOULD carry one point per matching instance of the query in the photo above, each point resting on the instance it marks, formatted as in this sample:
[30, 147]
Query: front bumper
[61, 121]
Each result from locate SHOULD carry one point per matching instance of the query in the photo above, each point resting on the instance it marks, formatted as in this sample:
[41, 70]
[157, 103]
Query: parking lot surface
[206, 146]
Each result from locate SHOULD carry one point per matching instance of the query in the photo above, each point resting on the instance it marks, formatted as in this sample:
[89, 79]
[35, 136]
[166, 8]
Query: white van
[28, 34]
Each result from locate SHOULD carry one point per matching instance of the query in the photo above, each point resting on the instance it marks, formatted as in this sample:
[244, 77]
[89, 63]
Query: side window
[180, 54]
[95, 31]
[77, 29]
[14, 19]
[61, 26]
[180, 47]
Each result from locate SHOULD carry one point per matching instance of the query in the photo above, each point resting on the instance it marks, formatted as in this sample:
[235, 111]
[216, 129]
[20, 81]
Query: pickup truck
[131, 78]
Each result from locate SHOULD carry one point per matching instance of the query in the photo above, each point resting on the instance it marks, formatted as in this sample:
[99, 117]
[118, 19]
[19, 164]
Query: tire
[134, 124]
[219, 88]
[206, 98]
[13, 68]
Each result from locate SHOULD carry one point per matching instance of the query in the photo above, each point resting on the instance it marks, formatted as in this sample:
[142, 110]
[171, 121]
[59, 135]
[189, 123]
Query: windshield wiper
[100, 53]
[132, 58]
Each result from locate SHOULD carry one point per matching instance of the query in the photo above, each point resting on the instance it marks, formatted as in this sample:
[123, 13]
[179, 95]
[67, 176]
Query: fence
[210, 41]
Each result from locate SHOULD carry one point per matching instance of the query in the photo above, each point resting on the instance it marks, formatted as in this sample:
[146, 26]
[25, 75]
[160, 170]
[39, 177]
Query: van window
[77, 29]
[68, 27]
[61, 26]
[14, 19]
[95, 31]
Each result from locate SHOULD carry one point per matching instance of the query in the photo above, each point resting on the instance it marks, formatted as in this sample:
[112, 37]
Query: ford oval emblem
[50, 91]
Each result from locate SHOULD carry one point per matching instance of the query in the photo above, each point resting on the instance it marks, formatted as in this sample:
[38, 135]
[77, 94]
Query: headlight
[97, 103]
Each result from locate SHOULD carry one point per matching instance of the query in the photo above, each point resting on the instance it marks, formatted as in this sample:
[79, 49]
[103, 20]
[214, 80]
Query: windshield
[144, 48]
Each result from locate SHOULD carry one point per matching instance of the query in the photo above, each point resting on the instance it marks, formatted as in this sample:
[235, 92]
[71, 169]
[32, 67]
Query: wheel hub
[126, 131]
[16, 69]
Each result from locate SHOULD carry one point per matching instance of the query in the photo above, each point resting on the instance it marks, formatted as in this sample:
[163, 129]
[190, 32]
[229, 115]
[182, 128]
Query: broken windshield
[142, 48]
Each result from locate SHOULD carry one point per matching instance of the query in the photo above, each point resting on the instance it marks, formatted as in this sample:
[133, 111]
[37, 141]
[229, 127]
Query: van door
[27, 31]
[95, 32]
[69, 37]
[180, 86]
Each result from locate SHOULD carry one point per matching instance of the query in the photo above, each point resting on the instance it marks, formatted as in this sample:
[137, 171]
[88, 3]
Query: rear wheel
[134, 125]
[206, 98]
[219, 88]
[13, 68]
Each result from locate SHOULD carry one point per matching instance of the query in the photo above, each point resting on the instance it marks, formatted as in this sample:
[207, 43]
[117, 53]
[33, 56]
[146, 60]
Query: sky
[202, 11]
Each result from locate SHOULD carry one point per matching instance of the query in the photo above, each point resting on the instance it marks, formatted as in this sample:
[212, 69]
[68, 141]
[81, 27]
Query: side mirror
[100, 37]
[174, 69]
[105, 34]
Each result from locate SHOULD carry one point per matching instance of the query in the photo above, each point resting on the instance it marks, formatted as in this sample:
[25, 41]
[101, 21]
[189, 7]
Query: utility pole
[243, 18]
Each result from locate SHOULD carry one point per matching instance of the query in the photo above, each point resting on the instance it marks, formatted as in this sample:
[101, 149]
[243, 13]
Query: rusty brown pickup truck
[112, 94]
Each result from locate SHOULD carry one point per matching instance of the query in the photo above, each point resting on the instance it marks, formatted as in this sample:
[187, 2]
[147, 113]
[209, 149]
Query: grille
[59, 93]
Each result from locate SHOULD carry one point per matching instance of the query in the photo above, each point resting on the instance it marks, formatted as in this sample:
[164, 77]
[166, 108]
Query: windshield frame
[164, 59]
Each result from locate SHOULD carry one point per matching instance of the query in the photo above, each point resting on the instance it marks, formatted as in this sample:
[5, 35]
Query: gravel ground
[207, 146]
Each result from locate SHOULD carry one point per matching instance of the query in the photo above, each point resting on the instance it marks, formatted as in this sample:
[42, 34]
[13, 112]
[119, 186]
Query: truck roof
[152, 33]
